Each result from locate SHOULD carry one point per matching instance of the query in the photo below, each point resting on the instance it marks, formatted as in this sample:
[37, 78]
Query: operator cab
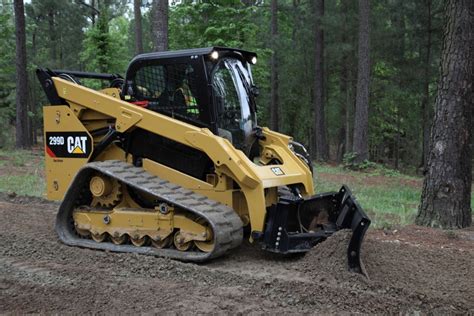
[206, 87]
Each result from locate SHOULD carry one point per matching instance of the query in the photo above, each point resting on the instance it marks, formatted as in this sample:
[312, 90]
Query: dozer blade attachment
[296, 225]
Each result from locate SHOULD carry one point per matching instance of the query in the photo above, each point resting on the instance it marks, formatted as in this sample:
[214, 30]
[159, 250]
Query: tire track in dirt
[39, 274]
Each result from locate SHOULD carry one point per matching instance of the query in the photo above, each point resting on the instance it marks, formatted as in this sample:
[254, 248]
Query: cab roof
[192, 52]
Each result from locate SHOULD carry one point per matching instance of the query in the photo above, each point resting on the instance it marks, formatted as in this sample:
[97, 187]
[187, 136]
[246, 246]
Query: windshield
[231, 83]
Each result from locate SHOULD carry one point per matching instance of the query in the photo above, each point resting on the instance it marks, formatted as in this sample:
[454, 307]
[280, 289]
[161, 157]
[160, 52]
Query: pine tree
[361, 123]
[159, 15]
[274, 106]
[320, 141]
[138, 26]
[22, 135]
[425, 108]
[445, 201]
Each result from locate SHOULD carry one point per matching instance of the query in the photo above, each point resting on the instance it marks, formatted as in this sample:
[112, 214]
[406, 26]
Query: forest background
[405, 45]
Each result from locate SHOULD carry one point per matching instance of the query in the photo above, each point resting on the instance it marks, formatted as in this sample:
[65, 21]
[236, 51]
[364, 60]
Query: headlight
[215, 55]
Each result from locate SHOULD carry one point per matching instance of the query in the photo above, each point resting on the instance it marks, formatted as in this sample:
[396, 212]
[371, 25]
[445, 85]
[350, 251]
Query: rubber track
[225, 223]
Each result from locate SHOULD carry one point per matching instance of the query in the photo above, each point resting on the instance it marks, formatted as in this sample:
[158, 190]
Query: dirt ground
[410, 270]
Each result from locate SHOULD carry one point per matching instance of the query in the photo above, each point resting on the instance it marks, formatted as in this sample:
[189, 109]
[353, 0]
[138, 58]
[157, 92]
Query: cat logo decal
[68, 144]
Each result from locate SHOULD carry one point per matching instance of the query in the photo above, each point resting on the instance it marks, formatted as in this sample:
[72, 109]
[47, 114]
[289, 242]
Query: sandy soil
[410, 270]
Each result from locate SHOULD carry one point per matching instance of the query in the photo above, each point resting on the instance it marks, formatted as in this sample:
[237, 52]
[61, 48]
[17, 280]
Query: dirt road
[409, 270]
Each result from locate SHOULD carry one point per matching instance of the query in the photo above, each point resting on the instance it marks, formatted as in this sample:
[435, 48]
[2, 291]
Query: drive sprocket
[222, 221]
[106, 191]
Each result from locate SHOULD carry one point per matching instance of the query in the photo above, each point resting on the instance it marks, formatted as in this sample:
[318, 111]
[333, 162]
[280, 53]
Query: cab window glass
[171, 88]
[150, 82]
[224, 88]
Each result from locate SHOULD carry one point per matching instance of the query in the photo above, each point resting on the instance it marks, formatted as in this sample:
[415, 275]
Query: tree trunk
[399, 22]
[344, 91]
[159, 14]
[445, 201]
[425, 108]
[274, 106]
[321, 151]
[397, 140]
[361, 123]
[351, 98]
[33, 101]
[138, 27]
[342, 114]
[349, 111]
[52, 37]
[93, 12]
[22, 136]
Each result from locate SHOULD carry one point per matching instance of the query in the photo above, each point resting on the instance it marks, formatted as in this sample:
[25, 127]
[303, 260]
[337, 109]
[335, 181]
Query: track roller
[170, 224]
[99, 237]
[119, 240]
[139, 242]
[163, 243]
[179, 242]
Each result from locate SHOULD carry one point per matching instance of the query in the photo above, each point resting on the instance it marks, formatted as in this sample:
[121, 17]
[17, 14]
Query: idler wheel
[83, 232]
[208, 245]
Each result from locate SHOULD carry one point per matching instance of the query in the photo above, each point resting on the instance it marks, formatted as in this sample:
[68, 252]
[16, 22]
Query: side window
[183, 94]
[150, 82]
[171, 89]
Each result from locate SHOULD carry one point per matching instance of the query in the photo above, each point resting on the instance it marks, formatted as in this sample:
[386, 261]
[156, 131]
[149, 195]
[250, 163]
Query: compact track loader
[170, 161]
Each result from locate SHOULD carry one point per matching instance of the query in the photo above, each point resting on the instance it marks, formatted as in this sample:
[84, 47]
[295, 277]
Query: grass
[384, 195]
[389, 206]
[388, 197]
[21, 172]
